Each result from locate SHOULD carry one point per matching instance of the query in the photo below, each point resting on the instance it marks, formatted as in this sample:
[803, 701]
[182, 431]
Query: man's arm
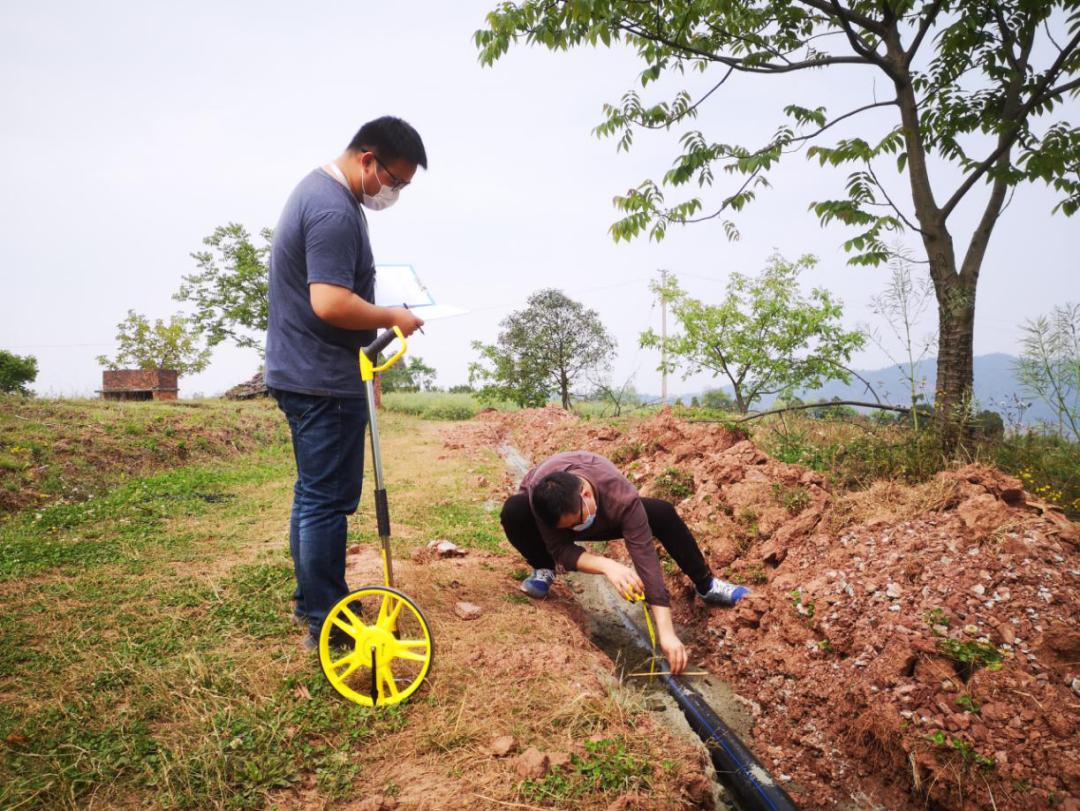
[341, 307]
[627, 582]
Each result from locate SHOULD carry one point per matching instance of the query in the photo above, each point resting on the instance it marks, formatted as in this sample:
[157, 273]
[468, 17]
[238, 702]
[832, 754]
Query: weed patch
[969, 656]
[792, 499]
[606, 767]
[674, 484]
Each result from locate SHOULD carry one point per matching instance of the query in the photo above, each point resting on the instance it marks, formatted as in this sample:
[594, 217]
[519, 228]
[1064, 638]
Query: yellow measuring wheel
[375, 646]
[385, 648]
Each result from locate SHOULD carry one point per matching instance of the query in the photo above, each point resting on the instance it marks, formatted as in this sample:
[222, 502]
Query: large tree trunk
[955, 363]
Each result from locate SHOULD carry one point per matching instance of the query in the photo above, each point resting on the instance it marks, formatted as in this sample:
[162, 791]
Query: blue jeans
[328, 443]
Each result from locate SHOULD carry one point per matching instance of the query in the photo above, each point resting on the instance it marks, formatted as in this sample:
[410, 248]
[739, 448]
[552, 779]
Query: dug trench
[606, 619]
[903, 647]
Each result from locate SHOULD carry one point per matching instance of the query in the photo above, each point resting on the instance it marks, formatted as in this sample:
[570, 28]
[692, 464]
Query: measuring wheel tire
[375, 646]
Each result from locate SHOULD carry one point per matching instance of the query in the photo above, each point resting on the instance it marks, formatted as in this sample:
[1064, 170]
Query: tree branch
[805, 406]
[838, 119]
[888, 199]
[1061, 88]
[1008, 139]
[726, 202]
[857, 44]
[673, 119]
[924, 27]
[846, 15]
[739, 64]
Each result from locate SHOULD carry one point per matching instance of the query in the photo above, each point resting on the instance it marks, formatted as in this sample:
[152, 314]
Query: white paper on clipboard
[397, 285]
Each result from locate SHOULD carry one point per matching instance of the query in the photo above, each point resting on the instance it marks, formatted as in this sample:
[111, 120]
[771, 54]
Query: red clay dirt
[865, 606]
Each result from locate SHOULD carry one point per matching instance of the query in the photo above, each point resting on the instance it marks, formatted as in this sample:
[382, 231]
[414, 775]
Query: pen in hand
[406, 306]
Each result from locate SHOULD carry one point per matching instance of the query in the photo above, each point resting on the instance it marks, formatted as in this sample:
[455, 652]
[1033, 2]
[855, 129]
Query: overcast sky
[129, 131]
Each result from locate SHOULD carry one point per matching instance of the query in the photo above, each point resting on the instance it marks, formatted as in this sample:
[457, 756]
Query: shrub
[1048, 465]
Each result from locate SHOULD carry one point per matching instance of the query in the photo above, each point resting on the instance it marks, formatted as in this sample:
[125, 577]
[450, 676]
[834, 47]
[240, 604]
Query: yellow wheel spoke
[392, 618]
[387, 677]
[388, 611]
[355, 620]
[343, 626]
[401, 651]
[353, 665]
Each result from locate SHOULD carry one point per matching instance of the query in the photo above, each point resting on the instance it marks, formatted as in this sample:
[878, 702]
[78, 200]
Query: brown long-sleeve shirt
[619, 514]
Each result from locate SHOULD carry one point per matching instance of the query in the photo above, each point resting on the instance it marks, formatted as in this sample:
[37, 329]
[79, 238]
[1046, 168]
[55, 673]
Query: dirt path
[147, 659]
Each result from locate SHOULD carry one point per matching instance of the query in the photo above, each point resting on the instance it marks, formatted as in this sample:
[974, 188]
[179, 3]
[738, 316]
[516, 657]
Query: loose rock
[532, 763]
[467, 611]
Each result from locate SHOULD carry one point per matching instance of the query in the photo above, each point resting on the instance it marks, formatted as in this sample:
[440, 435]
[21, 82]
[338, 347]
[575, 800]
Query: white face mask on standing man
[386, 196]
[382, 199]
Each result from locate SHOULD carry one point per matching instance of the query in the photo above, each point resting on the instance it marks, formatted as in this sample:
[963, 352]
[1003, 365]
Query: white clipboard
[398, 285]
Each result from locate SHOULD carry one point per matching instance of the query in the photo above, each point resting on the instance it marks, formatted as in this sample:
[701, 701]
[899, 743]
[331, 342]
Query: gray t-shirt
[321, 237]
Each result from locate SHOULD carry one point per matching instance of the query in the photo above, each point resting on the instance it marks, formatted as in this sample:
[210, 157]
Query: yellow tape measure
[640, 598]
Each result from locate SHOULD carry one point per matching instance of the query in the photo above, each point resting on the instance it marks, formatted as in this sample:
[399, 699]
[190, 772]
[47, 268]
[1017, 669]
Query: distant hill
[995, 384]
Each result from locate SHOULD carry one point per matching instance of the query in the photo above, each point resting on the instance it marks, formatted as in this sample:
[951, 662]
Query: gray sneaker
[721, 592]
[538, 584]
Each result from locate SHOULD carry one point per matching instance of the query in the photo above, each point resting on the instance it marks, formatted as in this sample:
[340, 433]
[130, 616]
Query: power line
[53, 346]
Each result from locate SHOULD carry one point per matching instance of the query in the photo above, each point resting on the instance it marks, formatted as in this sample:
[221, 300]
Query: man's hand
[624, 579]
[675, 651]
[405, 320]
[669, 641]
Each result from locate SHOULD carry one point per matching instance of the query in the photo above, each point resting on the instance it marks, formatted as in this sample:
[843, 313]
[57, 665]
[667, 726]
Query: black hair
[555, 495]
[391, 139]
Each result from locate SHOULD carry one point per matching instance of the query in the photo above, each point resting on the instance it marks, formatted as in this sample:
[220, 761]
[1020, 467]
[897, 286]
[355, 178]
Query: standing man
[322, 312]
[579, 496]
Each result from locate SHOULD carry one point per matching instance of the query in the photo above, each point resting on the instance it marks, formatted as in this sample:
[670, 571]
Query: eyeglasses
[398, 184]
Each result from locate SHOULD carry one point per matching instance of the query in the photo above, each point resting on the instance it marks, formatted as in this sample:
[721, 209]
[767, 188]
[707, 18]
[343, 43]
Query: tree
[175, 345]
[411, 374]
[1049, 364]
[541, 351]
[764, 337]
[17, 372]
[717, 400]
[902, 305]
[230, 291]
[619, 396]
[969, 80]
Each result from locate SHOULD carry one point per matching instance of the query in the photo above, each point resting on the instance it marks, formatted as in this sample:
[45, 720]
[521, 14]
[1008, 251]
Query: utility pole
[663, 339]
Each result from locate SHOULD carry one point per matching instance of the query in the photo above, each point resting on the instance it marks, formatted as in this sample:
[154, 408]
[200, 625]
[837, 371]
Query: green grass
[121, 524]
[467, 524]
[69, 450]
[147, 659]
[437, 405]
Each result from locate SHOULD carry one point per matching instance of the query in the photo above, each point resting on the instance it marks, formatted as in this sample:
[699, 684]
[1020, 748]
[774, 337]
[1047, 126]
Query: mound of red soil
[910, 647]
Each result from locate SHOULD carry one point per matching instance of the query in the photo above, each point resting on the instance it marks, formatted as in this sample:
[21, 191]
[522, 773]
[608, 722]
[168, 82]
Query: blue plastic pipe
[747, 781]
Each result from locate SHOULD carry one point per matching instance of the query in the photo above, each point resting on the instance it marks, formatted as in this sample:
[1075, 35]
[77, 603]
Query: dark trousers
[519, 524]
[328, 443]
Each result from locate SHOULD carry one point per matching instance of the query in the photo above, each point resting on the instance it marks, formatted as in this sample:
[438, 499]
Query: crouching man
[579, 496]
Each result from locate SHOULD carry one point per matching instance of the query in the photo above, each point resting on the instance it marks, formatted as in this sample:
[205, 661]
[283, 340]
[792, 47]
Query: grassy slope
[67, 450]
[146, 658]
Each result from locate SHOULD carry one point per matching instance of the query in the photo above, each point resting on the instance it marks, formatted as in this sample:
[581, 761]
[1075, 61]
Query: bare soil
[903, 647]
[522, 671]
